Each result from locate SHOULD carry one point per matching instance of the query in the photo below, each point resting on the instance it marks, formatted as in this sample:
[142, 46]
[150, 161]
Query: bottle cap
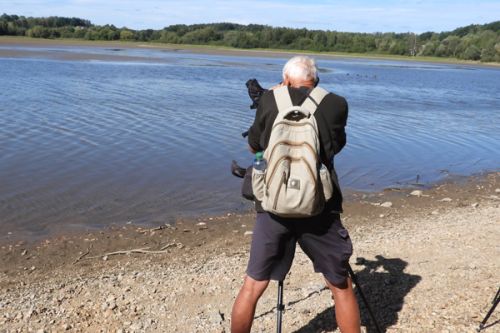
[259, 155]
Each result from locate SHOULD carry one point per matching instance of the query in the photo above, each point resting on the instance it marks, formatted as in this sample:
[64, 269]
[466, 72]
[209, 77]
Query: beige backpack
[295, 183]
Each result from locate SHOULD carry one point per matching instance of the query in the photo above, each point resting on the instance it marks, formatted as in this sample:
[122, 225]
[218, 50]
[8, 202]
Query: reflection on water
[89, 143]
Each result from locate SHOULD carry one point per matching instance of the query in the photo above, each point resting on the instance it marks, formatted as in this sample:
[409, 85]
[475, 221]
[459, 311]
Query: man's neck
[299, 84]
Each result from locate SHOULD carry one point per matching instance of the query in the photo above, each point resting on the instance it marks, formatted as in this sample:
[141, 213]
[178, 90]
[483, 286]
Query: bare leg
[245, 303]
[346, 307]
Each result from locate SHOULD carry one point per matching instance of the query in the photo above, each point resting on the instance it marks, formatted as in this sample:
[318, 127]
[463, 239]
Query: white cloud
[355, 15]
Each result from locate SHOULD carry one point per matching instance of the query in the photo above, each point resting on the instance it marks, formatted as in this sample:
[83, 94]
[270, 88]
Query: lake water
[89, 143]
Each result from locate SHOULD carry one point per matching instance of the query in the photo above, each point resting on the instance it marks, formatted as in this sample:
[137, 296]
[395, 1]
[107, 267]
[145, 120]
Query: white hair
[301, 68]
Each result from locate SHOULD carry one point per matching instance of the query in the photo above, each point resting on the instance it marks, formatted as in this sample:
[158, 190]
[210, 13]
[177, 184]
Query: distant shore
[202, 49]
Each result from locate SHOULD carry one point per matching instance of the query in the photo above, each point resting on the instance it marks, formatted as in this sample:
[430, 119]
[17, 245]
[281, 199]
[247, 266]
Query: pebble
[435, 212]
[201, 224]
[417, 193]
[387, 204]
[475, 205]
[497, 190]
[446, 200]
[248, 233]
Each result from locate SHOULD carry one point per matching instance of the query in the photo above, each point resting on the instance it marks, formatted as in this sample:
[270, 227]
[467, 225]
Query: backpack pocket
[258, 184]
[326, 182]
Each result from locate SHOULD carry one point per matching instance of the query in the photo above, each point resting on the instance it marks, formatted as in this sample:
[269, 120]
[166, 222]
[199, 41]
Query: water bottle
[259, 163]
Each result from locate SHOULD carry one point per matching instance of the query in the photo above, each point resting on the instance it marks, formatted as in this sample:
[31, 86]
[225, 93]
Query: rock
[248, 233]
[497, 190]
[24, 252]
[201, 224]
[475, 205]
[435, 212]
[381, 215]
[417, 193]
[446, 200]
[386, 204]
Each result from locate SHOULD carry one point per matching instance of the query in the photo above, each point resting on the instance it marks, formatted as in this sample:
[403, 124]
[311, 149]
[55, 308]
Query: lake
[86, 143]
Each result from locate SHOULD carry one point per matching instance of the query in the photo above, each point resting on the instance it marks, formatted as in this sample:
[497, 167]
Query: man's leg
[245, 303]
[346, 307]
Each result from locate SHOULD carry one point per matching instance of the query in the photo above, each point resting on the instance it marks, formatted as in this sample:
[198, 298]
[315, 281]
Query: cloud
[354, 15]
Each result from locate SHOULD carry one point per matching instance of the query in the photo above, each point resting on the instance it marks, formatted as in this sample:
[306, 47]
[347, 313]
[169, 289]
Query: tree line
[473, 42]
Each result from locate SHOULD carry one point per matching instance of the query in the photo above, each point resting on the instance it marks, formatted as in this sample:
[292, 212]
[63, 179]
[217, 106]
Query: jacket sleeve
[338, 133]
[257, 133]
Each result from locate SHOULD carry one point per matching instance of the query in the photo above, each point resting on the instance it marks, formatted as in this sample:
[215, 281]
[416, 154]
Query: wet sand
[428, 261]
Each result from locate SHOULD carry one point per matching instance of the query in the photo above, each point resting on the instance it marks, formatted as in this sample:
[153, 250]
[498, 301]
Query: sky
[348, 15]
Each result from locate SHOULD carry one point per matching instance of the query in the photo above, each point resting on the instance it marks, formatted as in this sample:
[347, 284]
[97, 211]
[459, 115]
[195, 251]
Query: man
[322, 237]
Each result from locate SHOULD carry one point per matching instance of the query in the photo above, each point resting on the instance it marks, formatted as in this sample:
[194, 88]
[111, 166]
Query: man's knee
[341, 289]
[253, 288]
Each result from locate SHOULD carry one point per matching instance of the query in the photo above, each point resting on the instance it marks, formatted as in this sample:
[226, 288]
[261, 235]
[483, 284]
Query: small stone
[381, 215]
[105, 258]
[446, 200]
[386, 204]
[417, 193]
[248, 233]
[201, 224]
[24, 252]
[435, 212]
[497, 190]
[475, 205]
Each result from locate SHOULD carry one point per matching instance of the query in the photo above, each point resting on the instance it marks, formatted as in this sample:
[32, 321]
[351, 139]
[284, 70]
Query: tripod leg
[358, 286]
[280, 307]
[495, 303]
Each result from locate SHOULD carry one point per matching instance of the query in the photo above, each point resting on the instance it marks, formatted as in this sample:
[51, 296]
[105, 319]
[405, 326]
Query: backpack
[295, 183]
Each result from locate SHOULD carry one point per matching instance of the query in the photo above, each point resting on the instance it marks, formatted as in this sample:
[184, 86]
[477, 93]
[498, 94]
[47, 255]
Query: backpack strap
[283, 99]
[314, 99]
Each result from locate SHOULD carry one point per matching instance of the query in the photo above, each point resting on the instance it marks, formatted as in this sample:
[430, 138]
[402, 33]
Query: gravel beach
[427, 260]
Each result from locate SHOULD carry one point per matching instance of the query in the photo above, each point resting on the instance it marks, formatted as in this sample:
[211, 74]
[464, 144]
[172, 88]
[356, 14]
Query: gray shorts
[323, 239]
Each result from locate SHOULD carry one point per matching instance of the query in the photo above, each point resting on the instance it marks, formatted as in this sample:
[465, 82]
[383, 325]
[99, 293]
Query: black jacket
[331, 117]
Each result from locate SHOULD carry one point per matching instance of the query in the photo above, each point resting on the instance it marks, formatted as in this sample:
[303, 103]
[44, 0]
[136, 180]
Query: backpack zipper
[293, 144]
[291, 159]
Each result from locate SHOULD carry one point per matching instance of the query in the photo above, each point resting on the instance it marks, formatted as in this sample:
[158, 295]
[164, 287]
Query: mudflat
[34, 43]
[427, 260]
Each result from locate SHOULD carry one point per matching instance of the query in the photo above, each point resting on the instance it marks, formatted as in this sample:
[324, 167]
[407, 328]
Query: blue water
[84, 143]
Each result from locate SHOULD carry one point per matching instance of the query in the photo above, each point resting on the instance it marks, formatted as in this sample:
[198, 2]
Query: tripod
[495, 301]
[280, 306]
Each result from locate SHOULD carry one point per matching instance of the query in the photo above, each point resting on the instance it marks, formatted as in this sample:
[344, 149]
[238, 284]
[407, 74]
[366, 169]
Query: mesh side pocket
[258, 184]
[326, 182]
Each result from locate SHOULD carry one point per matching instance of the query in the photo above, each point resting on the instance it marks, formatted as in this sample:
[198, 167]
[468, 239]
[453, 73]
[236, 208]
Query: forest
[472, 42]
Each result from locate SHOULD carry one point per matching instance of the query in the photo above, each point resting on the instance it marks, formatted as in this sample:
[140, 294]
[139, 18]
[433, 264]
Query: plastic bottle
[259, 163]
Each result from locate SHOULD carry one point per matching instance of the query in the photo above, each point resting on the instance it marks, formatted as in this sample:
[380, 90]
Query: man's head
[300, 71]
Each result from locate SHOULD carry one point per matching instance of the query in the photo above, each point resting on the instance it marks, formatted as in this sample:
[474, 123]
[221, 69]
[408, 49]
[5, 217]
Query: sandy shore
[428, 262]
[6, 41]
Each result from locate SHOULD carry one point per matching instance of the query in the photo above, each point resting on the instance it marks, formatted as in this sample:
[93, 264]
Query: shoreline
[201, 49]
[353, 200]
[413, 255]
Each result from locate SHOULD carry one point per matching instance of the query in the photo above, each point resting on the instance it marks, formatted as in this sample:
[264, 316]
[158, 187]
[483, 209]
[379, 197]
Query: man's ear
[286, 81]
